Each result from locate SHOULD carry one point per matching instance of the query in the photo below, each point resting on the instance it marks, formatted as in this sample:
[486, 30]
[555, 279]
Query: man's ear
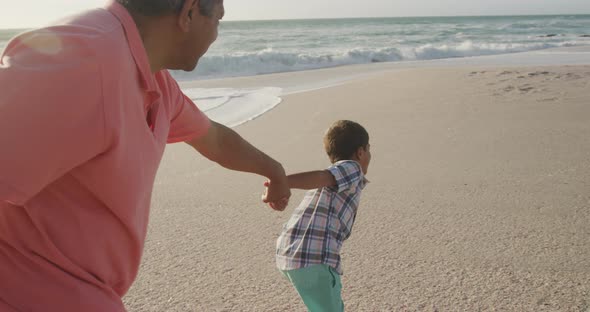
[185, 16]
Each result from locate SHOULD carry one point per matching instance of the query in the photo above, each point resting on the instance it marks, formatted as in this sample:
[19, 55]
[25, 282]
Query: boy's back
[322, 221]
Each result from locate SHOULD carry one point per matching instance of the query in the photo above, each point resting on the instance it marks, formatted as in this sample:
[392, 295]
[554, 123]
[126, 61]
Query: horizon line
[405, 16]
[357, 17]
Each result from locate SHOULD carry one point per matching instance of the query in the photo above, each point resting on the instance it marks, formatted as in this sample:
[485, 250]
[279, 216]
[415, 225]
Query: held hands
[276, 194]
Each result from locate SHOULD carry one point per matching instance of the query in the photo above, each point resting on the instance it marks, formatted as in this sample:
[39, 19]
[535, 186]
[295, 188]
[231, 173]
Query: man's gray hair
[163, 7]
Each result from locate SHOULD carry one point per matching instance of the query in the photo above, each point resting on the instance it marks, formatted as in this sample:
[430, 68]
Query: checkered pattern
[322, 221]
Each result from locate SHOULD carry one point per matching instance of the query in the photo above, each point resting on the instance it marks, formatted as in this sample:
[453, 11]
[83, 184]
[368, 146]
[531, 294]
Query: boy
[308, 249]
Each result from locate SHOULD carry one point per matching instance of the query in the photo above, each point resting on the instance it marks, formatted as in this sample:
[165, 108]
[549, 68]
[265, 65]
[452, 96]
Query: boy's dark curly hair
[343, 139]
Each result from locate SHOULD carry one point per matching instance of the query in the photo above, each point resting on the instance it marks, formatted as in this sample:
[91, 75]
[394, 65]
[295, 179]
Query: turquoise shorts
[319, 286]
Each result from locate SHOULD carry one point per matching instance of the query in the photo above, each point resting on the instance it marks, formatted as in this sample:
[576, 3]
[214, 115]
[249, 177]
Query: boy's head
[347, 140]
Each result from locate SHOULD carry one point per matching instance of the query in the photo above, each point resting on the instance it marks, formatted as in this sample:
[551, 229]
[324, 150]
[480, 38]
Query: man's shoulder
[97, 20]
[67, 58]
[95, 27]
[82, 38]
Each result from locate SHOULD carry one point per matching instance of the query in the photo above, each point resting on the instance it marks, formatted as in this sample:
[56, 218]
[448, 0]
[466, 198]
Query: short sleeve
[348, 174]
[51, 112]
[187, 120]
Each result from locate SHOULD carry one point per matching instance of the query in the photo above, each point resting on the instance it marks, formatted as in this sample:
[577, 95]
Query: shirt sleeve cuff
[199, 131]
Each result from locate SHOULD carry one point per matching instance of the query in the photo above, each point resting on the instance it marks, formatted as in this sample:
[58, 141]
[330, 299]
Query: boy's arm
[311, 180]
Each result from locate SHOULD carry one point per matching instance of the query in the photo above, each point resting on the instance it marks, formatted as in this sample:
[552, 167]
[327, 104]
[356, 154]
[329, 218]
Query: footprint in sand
[544, 73]
[553, 99]
[475, 73]
[525, 89]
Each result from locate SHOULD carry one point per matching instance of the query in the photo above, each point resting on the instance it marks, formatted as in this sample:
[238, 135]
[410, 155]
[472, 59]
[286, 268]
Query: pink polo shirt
[78, 157]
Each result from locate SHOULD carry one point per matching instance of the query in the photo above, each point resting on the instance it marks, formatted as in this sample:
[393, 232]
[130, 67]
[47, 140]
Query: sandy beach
[479, 197]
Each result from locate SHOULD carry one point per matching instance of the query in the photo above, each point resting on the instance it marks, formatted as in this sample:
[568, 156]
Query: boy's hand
[281, 203]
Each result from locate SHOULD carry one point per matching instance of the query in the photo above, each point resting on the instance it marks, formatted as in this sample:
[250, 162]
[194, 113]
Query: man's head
[184, 29]
[347, 140]
[163, 7]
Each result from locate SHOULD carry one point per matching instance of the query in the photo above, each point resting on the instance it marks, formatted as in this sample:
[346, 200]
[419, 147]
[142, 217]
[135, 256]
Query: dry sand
[479, 199]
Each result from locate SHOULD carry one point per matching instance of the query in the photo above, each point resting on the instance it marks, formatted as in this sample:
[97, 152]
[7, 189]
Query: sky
[28, 14]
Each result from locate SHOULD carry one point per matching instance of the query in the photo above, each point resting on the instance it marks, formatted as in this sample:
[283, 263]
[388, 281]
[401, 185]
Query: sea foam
[233, 107]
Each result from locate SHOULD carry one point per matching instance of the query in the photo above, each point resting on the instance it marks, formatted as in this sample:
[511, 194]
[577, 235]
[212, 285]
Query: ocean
[247, 48]
[261, 47]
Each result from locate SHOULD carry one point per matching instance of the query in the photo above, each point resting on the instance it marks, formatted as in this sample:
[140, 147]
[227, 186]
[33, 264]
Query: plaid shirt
[322, 221]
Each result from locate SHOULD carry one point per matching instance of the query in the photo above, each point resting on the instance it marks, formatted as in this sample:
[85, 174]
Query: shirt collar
[135, 44]
[364, 182]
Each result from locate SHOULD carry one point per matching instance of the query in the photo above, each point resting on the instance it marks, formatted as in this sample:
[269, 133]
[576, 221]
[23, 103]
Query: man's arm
[311, 180]
[227, 148]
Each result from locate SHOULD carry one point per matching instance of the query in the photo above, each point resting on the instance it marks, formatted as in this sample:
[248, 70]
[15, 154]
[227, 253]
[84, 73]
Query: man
[86, 108]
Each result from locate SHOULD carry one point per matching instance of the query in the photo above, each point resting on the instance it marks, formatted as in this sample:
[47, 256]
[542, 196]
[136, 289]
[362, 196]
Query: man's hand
[277, 194]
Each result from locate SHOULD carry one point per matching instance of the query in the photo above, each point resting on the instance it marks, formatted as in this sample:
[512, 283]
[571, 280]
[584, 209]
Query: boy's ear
[360, 152]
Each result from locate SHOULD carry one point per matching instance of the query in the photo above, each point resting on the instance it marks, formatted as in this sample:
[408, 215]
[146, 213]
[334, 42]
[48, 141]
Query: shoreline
[309, 80]
[238, 100]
